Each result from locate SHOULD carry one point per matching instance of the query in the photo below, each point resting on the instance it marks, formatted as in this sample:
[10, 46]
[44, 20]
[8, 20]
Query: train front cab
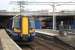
[25, 28]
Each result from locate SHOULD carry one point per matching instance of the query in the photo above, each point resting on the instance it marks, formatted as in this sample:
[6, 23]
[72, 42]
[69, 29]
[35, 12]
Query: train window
[17, 22]
[32, 23]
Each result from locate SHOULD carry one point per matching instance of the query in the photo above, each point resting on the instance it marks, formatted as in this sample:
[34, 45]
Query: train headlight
[32, 30]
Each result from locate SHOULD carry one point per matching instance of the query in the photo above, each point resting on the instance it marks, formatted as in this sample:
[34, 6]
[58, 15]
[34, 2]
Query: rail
[55, 41]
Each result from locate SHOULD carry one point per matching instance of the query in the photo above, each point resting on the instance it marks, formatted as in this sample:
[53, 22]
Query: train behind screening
[22, 28]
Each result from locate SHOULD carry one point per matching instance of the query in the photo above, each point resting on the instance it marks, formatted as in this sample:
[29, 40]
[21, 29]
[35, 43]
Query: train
[22, 28]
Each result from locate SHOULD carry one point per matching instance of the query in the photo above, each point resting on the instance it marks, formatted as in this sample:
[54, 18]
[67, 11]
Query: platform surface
[47, 31]
[7, 42]
[69, 39]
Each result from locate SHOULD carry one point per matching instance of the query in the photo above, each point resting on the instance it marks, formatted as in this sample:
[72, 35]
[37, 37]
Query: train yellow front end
[24, 27]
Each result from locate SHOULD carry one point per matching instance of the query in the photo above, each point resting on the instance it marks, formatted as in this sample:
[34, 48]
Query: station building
[44, 19]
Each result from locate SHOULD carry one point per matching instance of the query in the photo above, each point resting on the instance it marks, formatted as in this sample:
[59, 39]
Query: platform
[1, 45]
[7, 42]
[47, 32]
[69, 39]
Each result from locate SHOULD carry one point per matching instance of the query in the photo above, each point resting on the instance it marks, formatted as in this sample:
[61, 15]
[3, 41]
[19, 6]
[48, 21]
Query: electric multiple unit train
[23, 28]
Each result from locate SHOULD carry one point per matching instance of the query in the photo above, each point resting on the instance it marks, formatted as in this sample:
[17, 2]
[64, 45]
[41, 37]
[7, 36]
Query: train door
[25, 25]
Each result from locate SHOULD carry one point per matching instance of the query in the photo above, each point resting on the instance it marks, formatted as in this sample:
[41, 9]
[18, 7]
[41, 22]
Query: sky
[6, 4]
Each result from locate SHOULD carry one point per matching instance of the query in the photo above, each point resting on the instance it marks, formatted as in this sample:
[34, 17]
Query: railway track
[34, 46]
[54, 41]
[43, 42]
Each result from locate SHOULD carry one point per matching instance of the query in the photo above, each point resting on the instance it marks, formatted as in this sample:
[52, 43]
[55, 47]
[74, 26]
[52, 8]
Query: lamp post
[54, 17]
